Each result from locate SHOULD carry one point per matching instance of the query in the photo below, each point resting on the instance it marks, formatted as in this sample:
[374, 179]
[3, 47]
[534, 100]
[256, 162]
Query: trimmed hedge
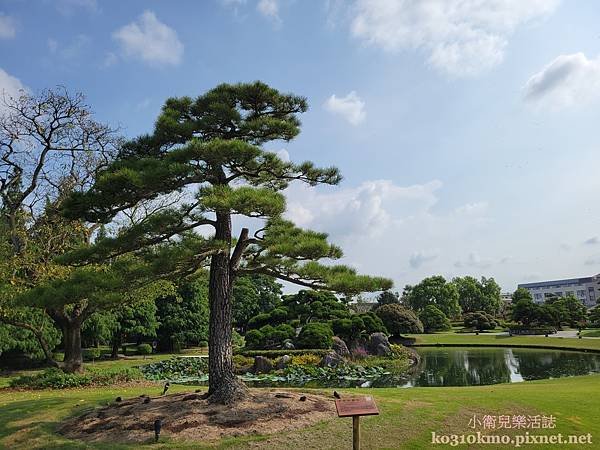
[57, 379]
[277, 353]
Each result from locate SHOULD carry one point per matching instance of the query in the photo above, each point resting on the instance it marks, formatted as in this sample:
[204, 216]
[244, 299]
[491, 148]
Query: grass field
[506, 341]
[408, 416]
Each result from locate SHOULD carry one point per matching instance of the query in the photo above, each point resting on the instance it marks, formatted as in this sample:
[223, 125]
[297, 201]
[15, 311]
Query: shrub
[57, 379]
[258, 321]
[595, 317]
[358, 353]
[373, 323]
[144, 349]
[479, 320]
[236, 338]
[398, 319]
[204, 344]
[307, 359]
[242, 363]
[91, 353]
[277, 353]
[434, 319]
[254, 339]
[315, 335]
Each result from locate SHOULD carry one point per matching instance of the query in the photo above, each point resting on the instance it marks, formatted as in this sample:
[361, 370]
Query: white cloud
[592, 241]
[350, 107]
[566, 81]
[418, 258]
[283, 154]
[392, 230]
[472, 209]
[269, 9]
[461, 37]
[8, 27]
[9, 87]
[474, 261]
[150, 40]
[110, 59]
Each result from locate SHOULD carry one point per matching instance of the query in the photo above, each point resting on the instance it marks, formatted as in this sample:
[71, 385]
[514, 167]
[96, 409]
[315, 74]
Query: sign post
[356, 407]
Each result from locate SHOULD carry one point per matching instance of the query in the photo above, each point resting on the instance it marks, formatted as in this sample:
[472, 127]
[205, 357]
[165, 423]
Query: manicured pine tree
[211, 146]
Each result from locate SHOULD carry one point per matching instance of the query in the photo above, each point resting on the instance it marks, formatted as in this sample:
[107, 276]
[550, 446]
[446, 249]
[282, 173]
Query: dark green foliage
[595, 317]
[555, 311]
[388, 297]
[475, 295]
[434, 320]
[144, 349]
[57, 379]
[320, 306]
[91, 354]
[277, 353]
[315, 335]
[570, 310]
[254, 339]
[434, 291]
[399, 320]
[253, 295]
[357, 326]
[520, 294]
[525, 311]
[479, 320]
[269, 336]
[183, 318]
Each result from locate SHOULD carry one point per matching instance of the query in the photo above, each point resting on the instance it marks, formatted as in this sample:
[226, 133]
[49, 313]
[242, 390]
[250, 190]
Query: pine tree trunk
[116, 343]
[73, 361]
[224, 386]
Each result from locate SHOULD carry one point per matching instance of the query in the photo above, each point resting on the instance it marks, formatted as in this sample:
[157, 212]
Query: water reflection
[480, 366]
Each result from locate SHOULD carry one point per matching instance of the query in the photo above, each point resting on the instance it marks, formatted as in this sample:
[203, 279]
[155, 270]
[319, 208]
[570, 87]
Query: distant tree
[252, 295]
[399, 319]
[479, 320]
[520, 294]
[525, 311]
[315, 335]
[434, 319]
[595, 317]
[314, 306]
[50, 146]
[434, 291]
[576, 311]
[183, 317]
[475, 295]
[388, 297]
[133, 322]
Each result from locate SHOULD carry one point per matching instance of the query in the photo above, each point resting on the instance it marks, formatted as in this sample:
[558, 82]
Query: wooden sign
[357, 406]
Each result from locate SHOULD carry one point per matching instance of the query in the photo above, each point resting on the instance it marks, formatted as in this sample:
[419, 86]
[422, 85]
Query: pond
[466, 366]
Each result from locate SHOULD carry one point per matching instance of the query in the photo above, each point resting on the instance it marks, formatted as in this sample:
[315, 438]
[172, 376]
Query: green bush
[204, 344]
[315, 335]
[57, 379]
[277, 353]
[434, 319]
[479, 320]
[254, 339]
[91, 354]
[399, 320]
[144, 349]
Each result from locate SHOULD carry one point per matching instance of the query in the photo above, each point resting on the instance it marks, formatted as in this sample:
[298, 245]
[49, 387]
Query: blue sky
[466, 131]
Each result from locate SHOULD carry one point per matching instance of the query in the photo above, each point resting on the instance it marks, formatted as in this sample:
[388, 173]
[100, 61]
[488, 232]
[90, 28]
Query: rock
[262, 365]
[303, 398]
[382, 350]
[331, 359]
[283, 362]
[283, 395]
[340, 347]
[378, 344]
[288, 345]
[192, 397]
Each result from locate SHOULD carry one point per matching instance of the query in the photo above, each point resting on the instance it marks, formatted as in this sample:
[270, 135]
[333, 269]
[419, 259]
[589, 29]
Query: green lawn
[591, 333]
[506, 341]
[408, 416]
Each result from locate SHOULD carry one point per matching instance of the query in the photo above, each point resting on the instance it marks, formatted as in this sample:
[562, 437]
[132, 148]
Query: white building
[586, 289]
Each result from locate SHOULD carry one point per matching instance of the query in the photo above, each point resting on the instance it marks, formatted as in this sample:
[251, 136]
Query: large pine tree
[211, 148]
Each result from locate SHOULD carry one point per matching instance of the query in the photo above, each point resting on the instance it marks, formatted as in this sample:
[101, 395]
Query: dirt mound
[189, 417]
